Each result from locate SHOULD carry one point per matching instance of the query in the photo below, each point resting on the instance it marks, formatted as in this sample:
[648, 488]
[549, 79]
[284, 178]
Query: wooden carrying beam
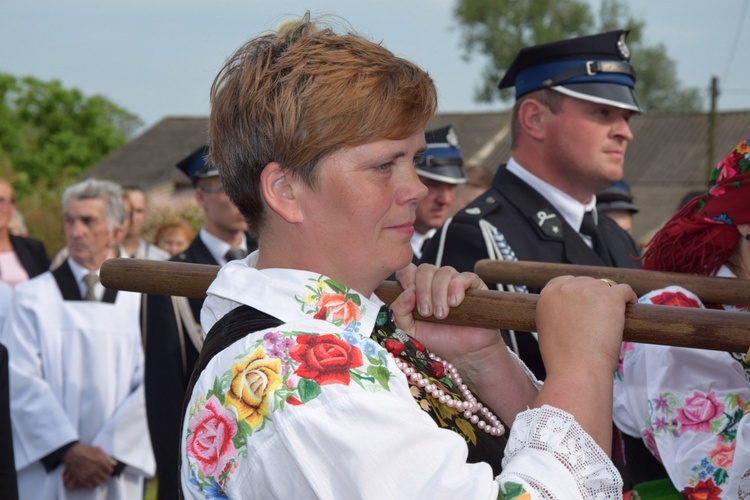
[699, 328]
[537, 274]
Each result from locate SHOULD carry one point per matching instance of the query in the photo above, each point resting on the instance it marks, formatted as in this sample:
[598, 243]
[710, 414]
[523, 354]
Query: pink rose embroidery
[698, 411]
[722, 455]
[210, 443]
[650, 441]
[339, 307]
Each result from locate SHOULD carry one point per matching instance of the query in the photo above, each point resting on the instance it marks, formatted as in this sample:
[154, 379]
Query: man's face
[138, 213]
[86, 232]
[433, 209]
[222, 218]
[587, 143]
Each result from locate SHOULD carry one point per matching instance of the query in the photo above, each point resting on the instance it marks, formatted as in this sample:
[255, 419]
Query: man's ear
[531, 118]
[279, 190]
[116, 235]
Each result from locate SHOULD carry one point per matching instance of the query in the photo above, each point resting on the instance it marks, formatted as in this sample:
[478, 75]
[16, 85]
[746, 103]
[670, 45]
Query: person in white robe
[76, 367]
[307, 385]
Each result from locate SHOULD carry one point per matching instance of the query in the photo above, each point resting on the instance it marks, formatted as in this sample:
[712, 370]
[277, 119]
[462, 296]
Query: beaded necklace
[437, 377]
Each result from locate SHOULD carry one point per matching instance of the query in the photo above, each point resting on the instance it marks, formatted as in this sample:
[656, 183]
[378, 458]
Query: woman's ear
[744, 230]
[278, 189]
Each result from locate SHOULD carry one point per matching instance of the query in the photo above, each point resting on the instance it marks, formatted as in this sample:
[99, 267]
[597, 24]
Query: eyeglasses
[4, 202]
[212, 189]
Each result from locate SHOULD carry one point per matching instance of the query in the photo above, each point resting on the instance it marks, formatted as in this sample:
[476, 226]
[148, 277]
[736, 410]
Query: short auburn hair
[297, 96]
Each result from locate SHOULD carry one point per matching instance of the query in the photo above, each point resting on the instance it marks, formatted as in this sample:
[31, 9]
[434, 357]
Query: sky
[157, 58]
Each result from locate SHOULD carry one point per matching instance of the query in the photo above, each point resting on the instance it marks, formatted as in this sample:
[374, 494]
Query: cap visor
[448, 174]
[610, 94]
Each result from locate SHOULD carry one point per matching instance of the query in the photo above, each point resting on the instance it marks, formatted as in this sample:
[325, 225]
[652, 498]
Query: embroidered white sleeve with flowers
[316, 409]
[691, 407]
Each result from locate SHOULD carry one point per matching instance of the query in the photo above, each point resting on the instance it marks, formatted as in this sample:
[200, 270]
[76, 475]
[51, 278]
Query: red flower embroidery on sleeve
[325, 358]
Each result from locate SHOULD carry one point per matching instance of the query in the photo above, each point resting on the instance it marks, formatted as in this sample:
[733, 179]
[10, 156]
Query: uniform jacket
[533, 229]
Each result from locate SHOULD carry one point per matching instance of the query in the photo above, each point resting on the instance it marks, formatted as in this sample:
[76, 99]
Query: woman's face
[360, 217]
[173, 241]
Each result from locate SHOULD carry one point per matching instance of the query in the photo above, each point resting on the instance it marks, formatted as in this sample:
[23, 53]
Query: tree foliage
[50, 134]
[498, 29]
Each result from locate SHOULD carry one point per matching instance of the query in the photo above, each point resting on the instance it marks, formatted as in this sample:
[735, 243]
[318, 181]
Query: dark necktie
[234, 254]
[91, 280]
[590, 229]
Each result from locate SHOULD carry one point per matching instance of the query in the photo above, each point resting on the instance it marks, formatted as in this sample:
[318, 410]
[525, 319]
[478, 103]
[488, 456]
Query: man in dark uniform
[172, 333]
[570, 129]
[574, 99]
[440, 169]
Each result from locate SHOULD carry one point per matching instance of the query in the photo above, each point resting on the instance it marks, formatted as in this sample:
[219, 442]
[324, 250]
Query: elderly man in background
[76, 366]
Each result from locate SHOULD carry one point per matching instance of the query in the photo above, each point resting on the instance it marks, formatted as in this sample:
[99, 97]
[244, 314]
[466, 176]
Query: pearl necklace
[488, 422]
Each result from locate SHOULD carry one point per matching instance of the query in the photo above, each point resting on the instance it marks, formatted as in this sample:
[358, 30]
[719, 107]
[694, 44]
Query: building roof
[667, 158]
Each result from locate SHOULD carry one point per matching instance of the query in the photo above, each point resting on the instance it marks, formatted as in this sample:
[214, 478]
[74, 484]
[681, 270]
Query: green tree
[498, 29]
[50, 134]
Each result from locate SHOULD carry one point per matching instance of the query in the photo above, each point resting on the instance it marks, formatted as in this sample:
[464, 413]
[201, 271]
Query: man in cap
[569, 132]
[616, 202]
[172, 324]
[574, 99]
[440, 168]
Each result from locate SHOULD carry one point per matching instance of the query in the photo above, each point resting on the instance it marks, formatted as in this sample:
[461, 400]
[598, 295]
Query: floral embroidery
[325, 359]
[674, 299]
[704, 490]
[698, 413]
[513, 491]
[329, 300]
[281, 369]
[398, 343]
[210, 441]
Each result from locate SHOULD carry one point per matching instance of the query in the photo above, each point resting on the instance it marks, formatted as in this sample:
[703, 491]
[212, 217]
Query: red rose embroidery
[436, 369]
[321, 314]
[418, 346]
[325, 358]
[674, 299]
[210, 443]
[698, 411]
[394, 347]
[704, 490]
[340, 307]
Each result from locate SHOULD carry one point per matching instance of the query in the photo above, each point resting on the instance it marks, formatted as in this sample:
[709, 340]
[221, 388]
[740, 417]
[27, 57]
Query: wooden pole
[537, 274]
[699, 328]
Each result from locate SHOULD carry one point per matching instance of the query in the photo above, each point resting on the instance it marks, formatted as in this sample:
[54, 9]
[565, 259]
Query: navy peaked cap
[594, 68]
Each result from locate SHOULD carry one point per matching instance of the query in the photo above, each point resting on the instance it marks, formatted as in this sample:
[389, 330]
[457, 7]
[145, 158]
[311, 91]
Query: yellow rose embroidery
[255, 379]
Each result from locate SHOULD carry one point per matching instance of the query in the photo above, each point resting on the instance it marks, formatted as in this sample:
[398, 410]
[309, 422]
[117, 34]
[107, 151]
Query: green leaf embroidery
[381, 374]
[510, 490]
[308, 389]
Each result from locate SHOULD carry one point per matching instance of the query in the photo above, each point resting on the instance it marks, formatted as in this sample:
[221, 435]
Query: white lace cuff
[548, 450]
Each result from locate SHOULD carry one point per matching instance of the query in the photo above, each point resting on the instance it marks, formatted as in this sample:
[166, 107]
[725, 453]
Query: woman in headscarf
[690, 406]
[308, 386]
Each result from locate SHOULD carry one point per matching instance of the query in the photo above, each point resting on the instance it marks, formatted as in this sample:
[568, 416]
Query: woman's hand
[433, 291]
[479, 354]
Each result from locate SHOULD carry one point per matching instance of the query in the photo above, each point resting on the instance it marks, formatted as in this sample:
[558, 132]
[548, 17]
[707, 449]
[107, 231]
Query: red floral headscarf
[703, 234]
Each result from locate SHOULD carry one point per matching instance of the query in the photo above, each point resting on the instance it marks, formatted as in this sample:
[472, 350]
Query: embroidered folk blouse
[317, 409]
[691, 407]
